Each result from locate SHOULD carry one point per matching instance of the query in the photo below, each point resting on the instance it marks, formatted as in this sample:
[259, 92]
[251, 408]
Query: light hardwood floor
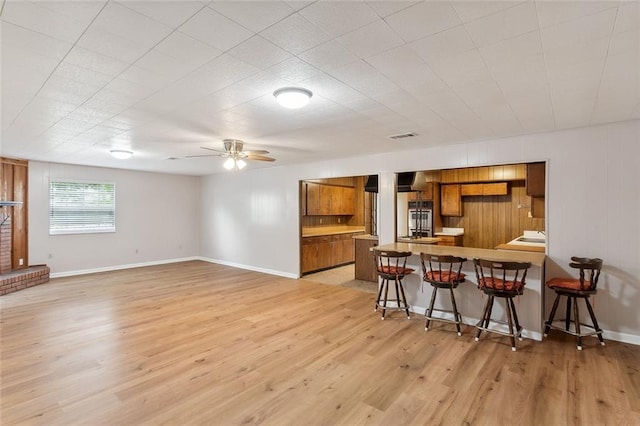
[197, 343]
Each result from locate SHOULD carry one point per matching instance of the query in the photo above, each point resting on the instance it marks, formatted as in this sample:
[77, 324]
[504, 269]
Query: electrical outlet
[20, 262]
[529, 214]
[339, 219]
[320, 221]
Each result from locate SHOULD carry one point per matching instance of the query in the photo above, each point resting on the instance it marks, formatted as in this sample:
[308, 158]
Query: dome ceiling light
[293, 97]
[121, 154]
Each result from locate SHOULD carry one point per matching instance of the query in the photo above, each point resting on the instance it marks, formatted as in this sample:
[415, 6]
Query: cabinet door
[471, 189]
[535, 179]
[347, 201]
[313, 198]
[499, 188]
[451, 201]
[309, 257]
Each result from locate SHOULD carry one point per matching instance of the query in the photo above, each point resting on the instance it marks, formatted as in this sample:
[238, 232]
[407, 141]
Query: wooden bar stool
[505, 280]
[392, 266]
[574, 289]
[442, 272]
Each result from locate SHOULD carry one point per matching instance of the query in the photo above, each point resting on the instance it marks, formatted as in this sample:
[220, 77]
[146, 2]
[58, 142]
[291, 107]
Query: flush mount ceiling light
[293, 97]
[121, 154]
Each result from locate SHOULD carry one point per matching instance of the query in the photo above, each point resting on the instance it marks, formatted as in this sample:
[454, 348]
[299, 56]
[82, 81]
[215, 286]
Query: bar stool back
[442, 271]
[504, 280]
[574, 289]
[392, 266]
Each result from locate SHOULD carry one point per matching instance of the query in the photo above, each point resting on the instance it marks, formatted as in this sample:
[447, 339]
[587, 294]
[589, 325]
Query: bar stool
[443, 272]
[505, 280]
[574, 289]
[392, 266]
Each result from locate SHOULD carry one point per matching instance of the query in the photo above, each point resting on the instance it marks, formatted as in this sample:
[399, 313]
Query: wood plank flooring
[198, 343]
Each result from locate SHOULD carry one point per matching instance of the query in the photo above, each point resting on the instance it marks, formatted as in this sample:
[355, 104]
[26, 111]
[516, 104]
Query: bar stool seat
[504, 280]
[392, 266]
[442, 271]
[574, 289]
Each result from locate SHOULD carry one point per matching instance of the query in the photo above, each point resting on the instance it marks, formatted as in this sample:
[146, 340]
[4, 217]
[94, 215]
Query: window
[81, 207]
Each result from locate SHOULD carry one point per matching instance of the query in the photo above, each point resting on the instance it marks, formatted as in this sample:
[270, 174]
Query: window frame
[90, 227]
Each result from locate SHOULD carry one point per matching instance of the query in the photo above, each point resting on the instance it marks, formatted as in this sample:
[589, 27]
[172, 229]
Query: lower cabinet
[327, 251]
[450, 240]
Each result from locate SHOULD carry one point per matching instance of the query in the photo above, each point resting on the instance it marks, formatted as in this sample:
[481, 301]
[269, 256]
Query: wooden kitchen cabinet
[425, 195]
[484, 189]
[327, 251]
[450, 240]
[451, 200]
[329, 200]
[535, 180]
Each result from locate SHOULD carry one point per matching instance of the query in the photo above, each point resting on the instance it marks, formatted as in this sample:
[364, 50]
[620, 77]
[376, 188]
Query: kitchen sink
[531, 240]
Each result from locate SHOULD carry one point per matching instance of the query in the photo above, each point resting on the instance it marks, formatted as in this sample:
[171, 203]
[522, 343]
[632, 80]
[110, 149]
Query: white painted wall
[157, 219]
[250, 219]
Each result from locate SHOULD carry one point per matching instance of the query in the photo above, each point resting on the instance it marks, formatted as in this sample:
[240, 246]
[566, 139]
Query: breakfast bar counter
[470, 301]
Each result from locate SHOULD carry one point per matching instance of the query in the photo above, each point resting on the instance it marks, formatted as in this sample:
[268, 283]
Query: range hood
[405, 181]
[372, 184]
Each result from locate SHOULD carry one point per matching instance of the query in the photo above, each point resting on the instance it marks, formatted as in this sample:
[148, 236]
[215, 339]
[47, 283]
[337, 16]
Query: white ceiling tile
[580, 30]
[294, 70]
[513, 49]
[35, 17]
[187, 50]
[90, 78]
[371, 39]
[94, 61]
[112, 45]
[526, 75]
[578, 52]
[46, 110]
[144, 78]
[402, 66]
[254, 15]
[221, 72]
[472, 10]
[364, 78]
[131, 25]
[21, 38]
[216, 30]
[259, 52]
[170, 13]
[627, 42]
[329, 56]
[166, 66]
[511, 22]
[443, 44]
[628, 16]
[385, 8]
[462, 69]
[335, 90]
[67, 91]
[338, 18]
[306, 37]
[423, 19]
[555, 12]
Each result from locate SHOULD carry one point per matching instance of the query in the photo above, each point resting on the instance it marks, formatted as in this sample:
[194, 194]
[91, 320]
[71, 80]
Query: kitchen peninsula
[469, 298]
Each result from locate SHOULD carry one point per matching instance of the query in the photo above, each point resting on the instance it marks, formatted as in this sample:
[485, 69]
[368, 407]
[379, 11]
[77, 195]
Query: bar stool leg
[594, 321]
[456, 315]
[386, 292]
[515, 317]
[510, 320]
[547, 326]
[378, 299]
[576, 314]
[404, 299]
[430, 308]
[567, 320]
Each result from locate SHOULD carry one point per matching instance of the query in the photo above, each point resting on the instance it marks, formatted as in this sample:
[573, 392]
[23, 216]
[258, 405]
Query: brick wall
[5, 245]
[24, 278]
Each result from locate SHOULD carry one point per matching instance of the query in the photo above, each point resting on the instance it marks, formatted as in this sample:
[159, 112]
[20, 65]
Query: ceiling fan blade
[211, 149]
[205, 155]
[256, 152]
[260, 158]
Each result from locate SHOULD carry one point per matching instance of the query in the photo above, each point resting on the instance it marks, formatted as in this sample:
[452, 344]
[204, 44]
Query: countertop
[521, 247]
[421, 240]
[330, 230]
[450, 232]
[536, 259]
[366, 237]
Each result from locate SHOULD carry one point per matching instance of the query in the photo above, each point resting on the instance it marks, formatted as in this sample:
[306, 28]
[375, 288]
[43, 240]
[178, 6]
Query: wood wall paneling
[14, 187]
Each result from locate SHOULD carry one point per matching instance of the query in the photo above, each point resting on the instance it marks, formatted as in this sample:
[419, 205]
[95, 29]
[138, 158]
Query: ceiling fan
[235, 155]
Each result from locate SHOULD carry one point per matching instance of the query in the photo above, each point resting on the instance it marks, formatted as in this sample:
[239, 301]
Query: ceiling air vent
[403, 135]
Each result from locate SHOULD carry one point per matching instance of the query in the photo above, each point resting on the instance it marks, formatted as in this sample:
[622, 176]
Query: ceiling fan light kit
[121, 154]
[293, 97]
[235, 154]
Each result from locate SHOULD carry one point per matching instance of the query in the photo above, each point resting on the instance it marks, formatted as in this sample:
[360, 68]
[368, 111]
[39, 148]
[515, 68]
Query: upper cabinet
[535, 179]
[328, 200]
[451, 200]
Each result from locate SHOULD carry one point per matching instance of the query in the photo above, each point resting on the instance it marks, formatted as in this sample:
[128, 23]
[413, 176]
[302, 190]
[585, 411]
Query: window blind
[81, 207]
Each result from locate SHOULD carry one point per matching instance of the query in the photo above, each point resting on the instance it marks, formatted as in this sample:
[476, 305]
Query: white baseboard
[119, 267]
[250, 268]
